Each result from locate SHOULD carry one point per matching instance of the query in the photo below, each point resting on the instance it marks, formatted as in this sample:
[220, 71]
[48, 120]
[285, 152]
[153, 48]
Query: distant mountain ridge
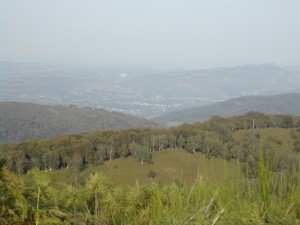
[276, 104]
[218, 83]
[26, 121]
[141, 91]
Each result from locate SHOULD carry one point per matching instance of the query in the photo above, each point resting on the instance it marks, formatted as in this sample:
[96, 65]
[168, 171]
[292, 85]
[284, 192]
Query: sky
[157, 33]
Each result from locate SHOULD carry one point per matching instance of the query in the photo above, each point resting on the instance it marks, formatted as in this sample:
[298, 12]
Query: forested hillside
[275, 104]
[25, 121]
[214, 138]
[262, 150]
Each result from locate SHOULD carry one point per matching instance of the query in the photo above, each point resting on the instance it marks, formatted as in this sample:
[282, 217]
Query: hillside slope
[25, 121]
[277, 104]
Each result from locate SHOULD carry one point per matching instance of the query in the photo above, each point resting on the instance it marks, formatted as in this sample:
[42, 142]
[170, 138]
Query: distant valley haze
[141, 91]
[147, 58]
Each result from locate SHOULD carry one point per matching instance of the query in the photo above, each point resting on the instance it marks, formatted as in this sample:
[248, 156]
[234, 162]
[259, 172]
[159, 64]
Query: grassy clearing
[177, 163]
[168, 164]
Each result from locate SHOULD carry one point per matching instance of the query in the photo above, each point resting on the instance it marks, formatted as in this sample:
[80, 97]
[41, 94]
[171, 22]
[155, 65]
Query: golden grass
[168, 164]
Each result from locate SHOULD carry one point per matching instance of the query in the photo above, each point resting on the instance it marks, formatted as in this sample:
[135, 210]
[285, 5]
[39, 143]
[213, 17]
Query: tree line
[214, 138]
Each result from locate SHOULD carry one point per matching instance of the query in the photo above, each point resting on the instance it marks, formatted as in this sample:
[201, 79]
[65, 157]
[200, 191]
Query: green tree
[41, 181]
[143, 154]
[124, 151]
[181, 141]
[134, 148]
[97, 189]
[191, 144]
[14, 208]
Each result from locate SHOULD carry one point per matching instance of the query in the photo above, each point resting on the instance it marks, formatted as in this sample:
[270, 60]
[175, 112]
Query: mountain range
[141, 91]
[25, 121]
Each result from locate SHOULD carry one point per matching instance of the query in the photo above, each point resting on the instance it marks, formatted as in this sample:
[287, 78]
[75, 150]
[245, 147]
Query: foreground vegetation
[240, 170]
[272, 198]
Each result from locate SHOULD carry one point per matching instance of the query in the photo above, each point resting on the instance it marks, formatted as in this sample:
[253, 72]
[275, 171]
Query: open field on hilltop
[178, 163]
[168, 165]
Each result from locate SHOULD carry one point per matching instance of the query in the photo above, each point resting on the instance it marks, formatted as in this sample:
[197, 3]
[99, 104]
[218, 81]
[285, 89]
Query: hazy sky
[165, 33]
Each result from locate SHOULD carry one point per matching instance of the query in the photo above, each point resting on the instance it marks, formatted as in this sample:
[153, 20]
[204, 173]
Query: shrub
[151, 174]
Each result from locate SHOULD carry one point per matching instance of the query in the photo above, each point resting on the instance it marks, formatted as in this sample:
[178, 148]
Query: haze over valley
[140, 91]
[142, 58]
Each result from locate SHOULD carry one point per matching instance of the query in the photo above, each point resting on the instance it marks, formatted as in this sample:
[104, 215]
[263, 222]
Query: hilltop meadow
[238, 170]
